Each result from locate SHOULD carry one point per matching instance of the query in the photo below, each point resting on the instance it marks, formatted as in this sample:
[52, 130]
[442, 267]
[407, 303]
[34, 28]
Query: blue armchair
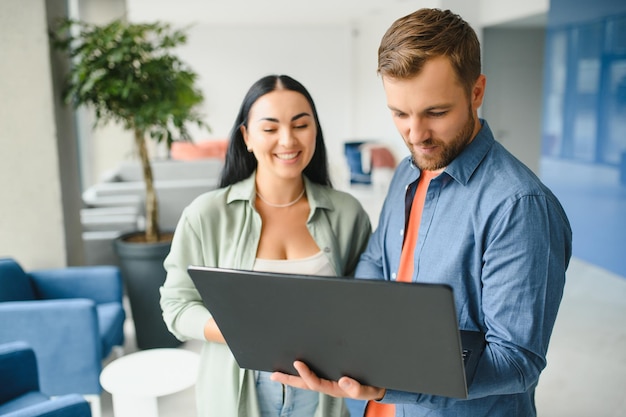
[19, 388]
[71, 317]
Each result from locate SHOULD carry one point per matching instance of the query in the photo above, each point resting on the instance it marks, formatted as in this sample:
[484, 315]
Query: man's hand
[345, 387]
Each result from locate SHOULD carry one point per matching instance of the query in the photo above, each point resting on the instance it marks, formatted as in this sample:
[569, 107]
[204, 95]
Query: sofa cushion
[18, 370]
[23, 401]
[15, 284]
[111, 326]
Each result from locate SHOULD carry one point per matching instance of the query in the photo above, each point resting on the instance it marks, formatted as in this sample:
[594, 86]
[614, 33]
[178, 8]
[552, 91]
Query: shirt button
[401, 232]
[327, 249]
[393, 275]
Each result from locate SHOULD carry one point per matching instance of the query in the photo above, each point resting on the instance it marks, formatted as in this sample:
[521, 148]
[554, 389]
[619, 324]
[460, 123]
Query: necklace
[291, 203]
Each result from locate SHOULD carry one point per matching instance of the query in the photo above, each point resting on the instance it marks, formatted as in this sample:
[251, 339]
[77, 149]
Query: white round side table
[135, 381]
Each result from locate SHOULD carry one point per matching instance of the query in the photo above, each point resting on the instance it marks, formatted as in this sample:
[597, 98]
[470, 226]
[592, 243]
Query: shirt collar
[242, 190]
[464, 165]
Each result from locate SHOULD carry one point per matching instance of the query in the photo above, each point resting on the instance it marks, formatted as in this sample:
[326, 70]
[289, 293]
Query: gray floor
[586, 372]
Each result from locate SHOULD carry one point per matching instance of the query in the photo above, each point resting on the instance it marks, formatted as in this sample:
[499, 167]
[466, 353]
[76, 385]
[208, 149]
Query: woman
[275, 211]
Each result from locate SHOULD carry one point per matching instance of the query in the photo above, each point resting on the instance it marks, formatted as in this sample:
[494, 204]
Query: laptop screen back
[395, 335]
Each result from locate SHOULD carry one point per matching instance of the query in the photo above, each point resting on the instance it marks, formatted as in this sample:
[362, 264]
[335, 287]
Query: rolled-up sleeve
[183, 311]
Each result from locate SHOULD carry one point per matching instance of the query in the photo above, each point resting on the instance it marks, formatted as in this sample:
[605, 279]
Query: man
[461, 210]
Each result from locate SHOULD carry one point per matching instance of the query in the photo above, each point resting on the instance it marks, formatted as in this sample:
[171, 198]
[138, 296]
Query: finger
[286, 379]
[354, 389]
[306, 374]
[316, 383]
[351, 387]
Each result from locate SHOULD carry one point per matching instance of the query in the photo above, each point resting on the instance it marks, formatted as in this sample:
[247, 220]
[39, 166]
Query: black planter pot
[142, 270]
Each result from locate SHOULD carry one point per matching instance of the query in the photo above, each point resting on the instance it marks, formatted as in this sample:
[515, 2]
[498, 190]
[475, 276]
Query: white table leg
[130, 406]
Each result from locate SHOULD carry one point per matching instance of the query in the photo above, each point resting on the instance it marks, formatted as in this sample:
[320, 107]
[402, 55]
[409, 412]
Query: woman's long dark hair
[240, 163]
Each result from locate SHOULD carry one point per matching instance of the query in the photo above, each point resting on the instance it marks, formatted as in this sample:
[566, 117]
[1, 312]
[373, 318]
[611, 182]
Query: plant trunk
[152, 206]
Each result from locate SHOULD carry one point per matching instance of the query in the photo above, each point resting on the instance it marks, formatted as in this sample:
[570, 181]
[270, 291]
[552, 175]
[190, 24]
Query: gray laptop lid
[388, 334]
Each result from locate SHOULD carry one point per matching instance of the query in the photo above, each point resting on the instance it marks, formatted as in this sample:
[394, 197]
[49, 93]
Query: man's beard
[449, 151]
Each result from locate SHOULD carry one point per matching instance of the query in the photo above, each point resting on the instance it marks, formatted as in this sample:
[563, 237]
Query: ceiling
[266, 12]
[285, 12]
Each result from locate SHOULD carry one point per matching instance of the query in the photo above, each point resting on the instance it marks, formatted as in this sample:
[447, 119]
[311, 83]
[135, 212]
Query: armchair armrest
[71, 405]
[64, 335]
[103, 284]
[18, 370]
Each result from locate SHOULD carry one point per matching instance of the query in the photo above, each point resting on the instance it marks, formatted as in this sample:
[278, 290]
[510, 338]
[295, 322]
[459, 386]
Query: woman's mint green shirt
[222, 228]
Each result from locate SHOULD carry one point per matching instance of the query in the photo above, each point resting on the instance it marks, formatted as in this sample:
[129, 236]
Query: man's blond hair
[425, 34]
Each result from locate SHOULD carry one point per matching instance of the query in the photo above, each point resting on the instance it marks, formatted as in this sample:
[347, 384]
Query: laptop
[401, 336]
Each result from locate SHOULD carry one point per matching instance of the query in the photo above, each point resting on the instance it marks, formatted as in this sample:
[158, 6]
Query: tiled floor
[586, 372]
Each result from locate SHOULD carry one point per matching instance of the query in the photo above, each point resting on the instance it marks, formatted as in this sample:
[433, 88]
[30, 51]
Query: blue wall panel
[584, 124]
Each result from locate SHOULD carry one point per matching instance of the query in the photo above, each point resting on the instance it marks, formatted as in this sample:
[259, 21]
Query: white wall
[513, 64]
[102, 148]
[31, 213]
[371, 119]
[336, 63]
[230, 59]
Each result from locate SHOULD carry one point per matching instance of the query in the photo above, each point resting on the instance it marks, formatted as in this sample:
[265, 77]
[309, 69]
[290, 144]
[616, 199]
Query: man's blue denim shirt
[499, 237]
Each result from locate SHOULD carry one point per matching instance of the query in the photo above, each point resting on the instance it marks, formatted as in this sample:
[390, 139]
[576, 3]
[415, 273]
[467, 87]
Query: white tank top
[317, 264]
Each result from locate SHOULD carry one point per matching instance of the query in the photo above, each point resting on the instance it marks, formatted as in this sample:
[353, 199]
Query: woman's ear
[244, 134]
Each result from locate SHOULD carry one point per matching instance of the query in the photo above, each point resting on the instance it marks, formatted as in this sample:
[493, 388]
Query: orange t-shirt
[406, 268]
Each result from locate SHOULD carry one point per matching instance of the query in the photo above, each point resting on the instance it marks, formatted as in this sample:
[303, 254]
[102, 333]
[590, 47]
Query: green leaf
[128, 73]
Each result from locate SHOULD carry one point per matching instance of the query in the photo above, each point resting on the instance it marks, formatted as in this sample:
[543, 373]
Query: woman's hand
[344, 387]
[212, 333]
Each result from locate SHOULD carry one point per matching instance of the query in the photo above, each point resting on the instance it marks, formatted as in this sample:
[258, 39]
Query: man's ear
[478, 91]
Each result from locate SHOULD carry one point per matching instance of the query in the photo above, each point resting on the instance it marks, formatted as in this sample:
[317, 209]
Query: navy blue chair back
[15, 284]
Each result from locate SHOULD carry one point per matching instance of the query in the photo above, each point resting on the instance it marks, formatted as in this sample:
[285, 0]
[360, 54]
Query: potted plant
[127, 73]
